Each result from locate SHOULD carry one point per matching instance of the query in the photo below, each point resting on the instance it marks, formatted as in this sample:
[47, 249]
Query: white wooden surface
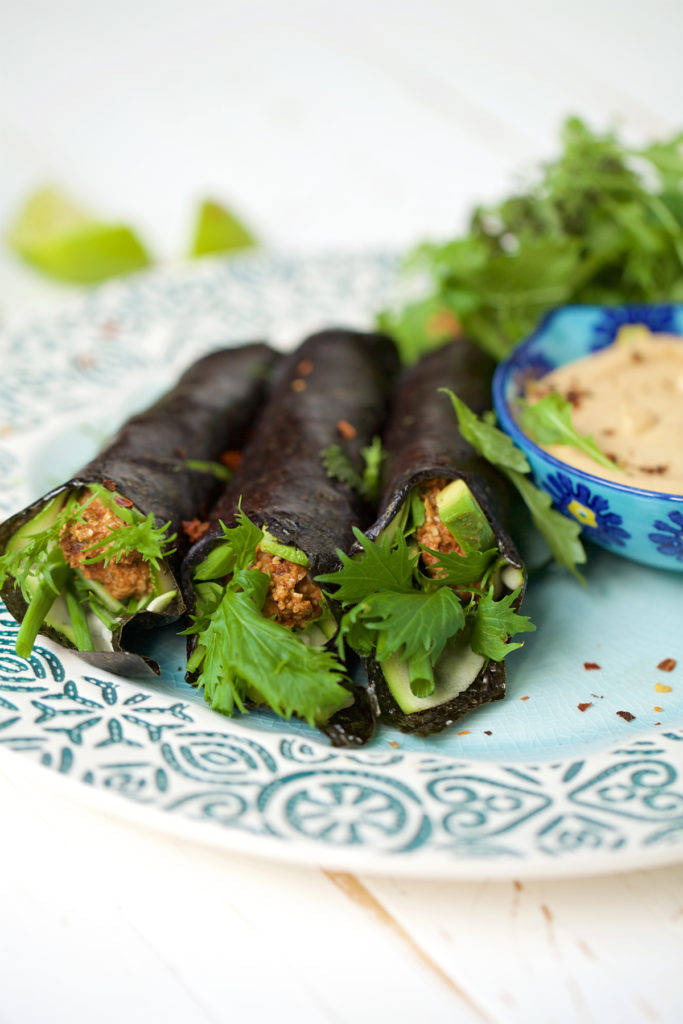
[358, 124]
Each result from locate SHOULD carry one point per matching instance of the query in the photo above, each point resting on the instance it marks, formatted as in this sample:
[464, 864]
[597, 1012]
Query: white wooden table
[366, 123]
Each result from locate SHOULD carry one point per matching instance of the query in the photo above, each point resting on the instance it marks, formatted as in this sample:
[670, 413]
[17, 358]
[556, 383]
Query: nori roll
[104, 549]
[261, 622]
[432, 592]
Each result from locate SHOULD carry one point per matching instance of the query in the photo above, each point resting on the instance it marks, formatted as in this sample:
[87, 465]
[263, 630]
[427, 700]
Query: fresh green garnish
[560, 533]
[393, 608]
[338, 466]
[36, 563]
[218, 230]
[549, 421]
[217, 469]
[602, 224]
[67, 242]
[242, 655]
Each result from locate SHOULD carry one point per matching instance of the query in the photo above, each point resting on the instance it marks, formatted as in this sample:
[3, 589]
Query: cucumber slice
[456, 669]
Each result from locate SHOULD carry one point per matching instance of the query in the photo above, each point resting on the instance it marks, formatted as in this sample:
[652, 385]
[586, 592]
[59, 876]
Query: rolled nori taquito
[425, 454]
[162, 463]
[333, 390]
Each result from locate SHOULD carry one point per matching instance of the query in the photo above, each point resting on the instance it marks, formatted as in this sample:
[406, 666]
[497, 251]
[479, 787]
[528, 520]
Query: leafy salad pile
[602, 224]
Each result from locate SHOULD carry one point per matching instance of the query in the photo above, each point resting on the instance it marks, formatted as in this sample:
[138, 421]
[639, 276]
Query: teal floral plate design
[578, 771]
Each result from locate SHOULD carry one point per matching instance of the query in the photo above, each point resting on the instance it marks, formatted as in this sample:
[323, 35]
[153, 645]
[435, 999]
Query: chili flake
[346, 429]
[231, 458]
[667, 665]
[587, 704]
[523, 698]
[588, 665]
[626, 715]
[465, 732]
[655, 708]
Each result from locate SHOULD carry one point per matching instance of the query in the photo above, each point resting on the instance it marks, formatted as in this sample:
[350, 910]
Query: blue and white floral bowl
[646, 526]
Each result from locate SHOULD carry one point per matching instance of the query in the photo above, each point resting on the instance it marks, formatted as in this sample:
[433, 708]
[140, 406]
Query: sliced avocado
[463, 517]
[456, 669]
[272, 546]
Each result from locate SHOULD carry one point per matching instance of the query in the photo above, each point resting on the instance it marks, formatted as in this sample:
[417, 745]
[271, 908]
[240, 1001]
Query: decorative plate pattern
[529, 786]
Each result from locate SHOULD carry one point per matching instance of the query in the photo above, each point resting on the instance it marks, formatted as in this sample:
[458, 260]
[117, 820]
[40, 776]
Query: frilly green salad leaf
[338, 466]
[242, 655]
[603, 223]
[393, 608]
[549, 421]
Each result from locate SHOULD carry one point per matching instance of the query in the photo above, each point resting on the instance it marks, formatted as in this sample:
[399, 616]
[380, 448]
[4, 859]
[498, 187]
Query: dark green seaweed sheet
[423, 442]
[282, 483]
[209, 410]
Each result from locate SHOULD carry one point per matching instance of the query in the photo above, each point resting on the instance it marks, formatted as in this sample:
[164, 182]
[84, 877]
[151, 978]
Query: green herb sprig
[549, 421]
[560, 533]
[242, 655]
[395, 609]
[338, 466]
[603, 223]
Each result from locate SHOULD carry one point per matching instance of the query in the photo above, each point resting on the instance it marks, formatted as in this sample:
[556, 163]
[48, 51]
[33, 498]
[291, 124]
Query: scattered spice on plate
[231, 458]
[588, 665]
[347, 430]
[662, 688]
[587, 704]
[392, 743]
[487, 732]
[656, 708]
[523, 698]
[667, 665]
[626, 715]
[598, 696]
[465, 732]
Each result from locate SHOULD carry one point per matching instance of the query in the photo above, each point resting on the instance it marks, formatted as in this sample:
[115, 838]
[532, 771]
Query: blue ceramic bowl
[646, 526]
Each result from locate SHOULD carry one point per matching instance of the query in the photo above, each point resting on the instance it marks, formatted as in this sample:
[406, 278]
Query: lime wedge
[65, 241]
[218, 230]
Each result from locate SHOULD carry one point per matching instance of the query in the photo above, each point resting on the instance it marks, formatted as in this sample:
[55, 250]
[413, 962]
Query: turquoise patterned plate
[530, 786]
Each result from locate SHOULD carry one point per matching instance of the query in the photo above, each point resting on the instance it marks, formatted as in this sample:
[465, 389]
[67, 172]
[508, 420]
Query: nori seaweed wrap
[443, 520]
[62, 574]
[277, 525]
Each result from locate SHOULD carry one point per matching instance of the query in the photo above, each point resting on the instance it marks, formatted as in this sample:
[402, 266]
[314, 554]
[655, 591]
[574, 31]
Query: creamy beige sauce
[629, 396]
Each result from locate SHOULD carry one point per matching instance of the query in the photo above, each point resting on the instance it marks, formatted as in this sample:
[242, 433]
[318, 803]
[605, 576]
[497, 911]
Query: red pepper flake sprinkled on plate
[523, 698]
[626, 715]
[667, 665]
[657, 708]
[487, 732]
[587, 704]
[591, 665]
[346, 429]
[465, 732]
